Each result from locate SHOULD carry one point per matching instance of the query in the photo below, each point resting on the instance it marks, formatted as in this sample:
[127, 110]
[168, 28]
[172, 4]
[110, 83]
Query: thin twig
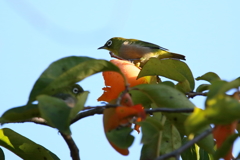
[72, 146]
[106, 106]
[178, 152]
[181, 110]
[99, 110]
[91, 112]
[193, 94]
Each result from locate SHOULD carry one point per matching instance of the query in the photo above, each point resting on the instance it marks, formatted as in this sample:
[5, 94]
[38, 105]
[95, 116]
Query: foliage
[57, 101]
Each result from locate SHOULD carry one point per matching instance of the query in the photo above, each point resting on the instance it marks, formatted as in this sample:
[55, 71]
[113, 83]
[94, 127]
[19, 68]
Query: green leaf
[24, 147]
[121, 137]
[149, 151]
[190, 153]
[209, 76]
[168, 83]
[194, 152]
[150, 129]
[67, 71]
[221, 110]
[200, 120]
[202, 87]
[204, 155]
[221, 87]
[183, 86]
[170, 68]
[171, 139]
[140, 98]
[214, 89]
[158, 139]
[20, 113]
[79, 105]
[56, 112]
[230, 85]
[2, 156]
[151, 137]
[164, 96]
[196, 121]
[226, 146]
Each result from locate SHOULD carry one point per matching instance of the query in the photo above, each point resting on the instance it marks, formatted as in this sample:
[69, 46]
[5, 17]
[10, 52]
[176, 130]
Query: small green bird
[70, 94]
[137, 50]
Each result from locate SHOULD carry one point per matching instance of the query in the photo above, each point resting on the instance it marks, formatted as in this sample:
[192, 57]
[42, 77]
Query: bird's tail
[177, 56]
[172, 55]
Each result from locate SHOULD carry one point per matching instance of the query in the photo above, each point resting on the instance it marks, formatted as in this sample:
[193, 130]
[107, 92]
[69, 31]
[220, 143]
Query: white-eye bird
[137, 50]
[69, 94]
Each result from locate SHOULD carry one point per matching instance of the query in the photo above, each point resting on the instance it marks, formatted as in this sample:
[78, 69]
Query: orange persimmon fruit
[121, 116]
[221, 133]
[114, 82]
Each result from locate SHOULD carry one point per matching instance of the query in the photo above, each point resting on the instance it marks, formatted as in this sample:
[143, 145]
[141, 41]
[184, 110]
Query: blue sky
[35, 33]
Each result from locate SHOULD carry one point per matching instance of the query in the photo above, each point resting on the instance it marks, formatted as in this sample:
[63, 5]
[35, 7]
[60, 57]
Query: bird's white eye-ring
[109, 43]
[75, 90]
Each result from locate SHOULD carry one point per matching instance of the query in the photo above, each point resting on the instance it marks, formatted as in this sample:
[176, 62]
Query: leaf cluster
[57, 100]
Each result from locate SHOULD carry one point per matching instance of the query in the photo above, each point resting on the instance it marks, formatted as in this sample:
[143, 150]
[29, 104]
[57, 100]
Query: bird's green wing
[150, 45]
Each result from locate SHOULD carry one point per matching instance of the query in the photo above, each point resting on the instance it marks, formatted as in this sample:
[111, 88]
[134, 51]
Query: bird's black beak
[103, 47]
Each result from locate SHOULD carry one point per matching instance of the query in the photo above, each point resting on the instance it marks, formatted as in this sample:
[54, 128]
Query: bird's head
[113, 44]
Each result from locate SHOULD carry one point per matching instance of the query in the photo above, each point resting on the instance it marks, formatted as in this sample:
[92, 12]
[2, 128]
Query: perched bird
[69, 94]
[137, 50]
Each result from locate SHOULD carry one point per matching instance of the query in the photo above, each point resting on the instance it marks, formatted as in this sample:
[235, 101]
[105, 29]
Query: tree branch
[169, 110]
[72, 146]
[99, 110]
[193, 94]
[178, 152]
[91, 112]
[37, 120]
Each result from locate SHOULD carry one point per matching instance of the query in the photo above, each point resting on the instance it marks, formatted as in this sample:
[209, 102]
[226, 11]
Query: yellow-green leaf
[24, 147]
[170, 68]
[221, 110]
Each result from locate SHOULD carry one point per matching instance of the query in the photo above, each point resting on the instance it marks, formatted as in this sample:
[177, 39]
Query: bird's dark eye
[109, 43]
[75, 90]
